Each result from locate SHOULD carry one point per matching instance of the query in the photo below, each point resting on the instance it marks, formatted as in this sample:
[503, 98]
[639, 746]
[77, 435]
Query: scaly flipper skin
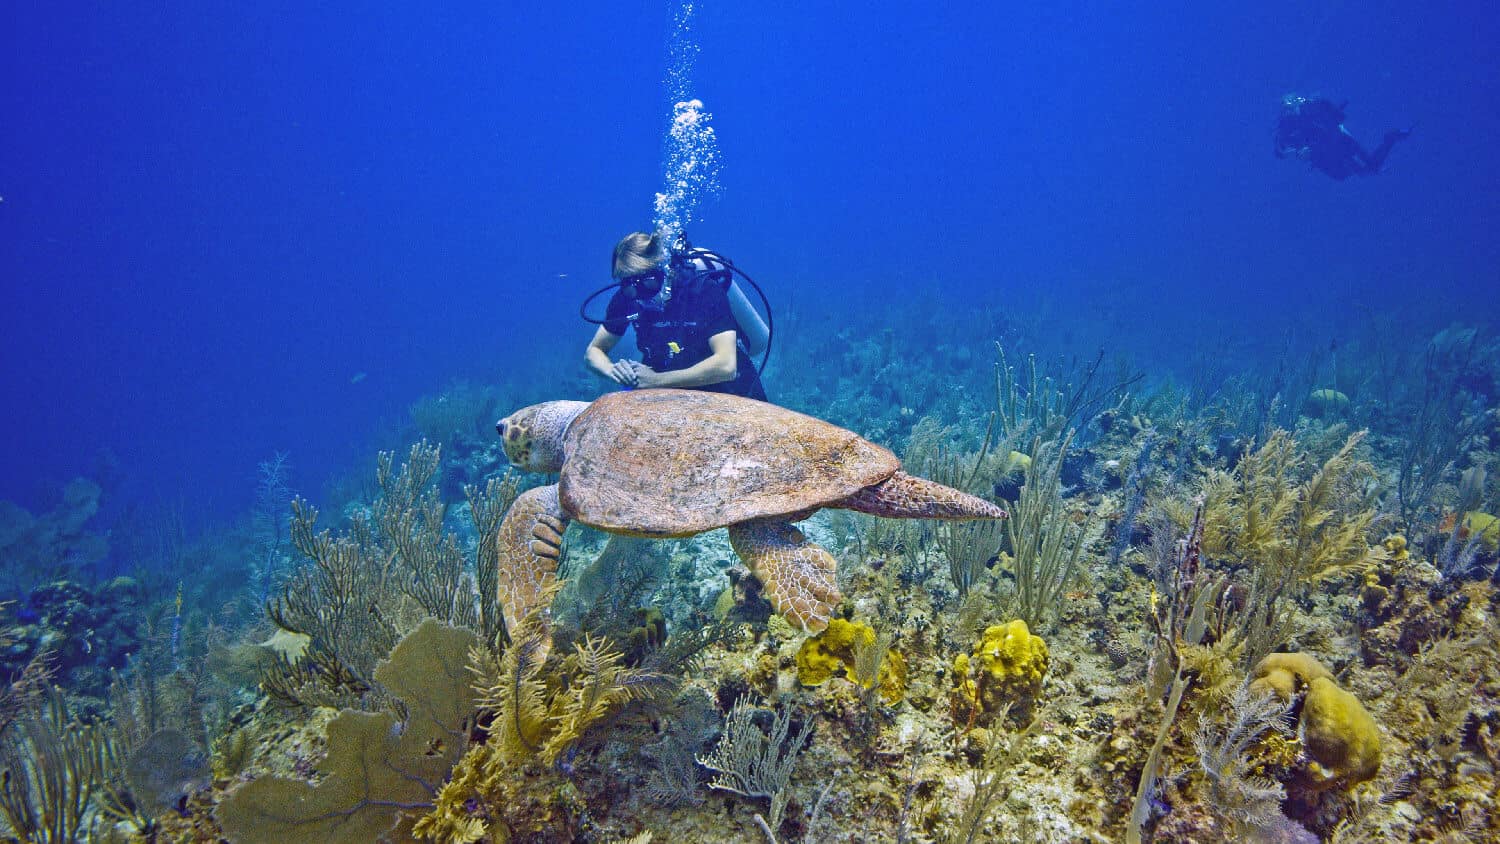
[797, 575]
[906, 496]
[528, 545]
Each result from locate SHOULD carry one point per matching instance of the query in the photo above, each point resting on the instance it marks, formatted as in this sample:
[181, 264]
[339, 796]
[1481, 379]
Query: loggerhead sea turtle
[664, 463]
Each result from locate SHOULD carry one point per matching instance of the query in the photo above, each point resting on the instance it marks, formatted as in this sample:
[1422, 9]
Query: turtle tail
[903, 496]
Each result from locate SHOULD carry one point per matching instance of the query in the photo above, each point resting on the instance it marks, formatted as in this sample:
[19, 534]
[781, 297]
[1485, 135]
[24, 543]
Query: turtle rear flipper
[797, 575]
[527, 548]
[904, 496]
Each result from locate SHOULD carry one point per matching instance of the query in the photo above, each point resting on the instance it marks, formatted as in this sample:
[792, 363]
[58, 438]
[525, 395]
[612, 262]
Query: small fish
[358, 377]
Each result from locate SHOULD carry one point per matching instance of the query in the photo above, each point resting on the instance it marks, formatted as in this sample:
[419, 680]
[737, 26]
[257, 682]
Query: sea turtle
[664, 463]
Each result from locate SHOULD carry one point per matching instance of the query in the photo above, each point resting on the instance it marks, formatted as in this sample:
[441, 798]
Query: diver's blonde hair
[638, 252]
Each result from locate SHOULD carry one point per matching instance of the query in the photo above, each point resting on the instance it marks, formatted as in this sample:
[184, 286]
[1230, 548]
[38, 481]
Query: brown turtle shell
[680, 462]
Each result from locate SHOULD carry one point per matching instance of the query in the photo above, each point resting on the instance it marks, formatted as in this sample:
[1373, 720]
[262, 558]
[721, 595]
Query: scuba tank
[754, 331]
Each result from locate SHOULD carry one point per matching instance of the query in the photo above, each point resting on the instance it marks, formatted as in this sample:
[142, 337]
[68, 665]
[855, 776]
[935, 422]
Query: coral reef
[1481, 526]
[51, 768]
[757, 764]
[1265, 619]
[396, 565]
[83, 632]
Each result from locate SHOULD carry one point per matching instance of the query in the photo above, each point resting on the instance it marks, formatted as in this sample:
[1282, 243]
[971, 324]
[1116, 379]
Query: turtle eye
[500, 428]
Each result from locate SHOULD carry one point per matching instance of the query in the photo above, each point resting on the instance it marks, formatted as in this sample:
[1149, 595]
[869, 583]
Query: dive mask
[642, 285]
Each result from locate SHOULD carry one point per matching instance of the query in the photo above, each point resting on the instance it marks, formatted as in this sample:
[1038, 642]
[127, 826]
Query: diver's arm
[596, 357]
[718, 367]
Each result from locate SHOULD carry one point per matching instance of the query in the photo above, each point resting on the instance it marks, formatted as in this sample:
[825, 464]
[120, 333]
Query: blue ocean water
[230, 230]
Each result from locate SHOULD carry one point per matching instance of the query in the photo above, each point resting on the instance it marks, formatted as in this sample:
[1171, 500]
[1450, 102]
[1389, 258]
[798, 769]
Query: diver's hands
[646, 377]
[624, 372]
[632, 373]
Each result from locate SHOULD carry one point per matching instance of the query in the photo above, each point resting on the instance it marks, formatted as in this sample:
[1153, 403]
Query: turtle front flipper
[527, 548]
[798, 576]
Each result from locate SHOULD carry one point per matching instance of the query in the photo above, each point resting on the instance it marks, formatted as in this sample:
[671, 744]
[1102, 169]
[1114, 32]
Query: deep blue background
[215, 214]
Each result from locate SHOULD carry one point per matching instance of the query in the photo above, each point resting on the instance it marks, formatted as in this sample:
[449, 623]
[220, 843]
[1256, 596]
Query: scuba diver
[1312, 129]
[694, 327]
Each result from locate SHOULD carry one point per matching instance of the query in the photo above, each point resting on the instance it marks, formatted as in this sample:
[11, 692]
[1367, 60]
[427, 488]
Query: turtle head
[533, 436]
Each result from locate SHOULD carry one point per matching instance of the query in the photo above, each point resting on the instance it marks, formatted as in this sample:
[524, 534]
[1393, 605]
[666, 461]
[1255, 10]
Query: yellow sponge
[1006, 667]
[832, 653]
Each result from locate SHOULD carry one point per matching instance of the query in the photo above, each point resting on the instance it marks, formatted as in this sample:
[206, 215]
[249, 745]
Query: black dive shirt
[676, 336]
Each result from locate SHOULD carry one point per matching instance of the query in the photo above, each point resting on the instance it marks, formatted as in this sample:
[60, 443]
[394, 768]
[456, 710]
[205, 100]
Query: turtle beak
[500, 428]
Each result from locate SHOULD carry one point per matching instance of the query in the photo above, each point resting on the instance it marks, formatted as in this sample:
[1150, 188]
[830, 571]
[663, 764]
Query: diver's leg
[527, 548]
[1375, 159]
[798, 576]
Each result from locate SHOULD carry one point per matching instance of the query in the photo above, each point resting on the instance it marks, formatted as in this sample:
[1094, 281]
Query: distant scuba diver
[1312, 129]
[694, 327]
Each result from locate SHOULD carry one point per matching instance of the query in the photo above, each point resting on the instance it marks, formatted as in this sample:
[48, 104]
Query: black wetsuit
[676, 336]
[1313, 129]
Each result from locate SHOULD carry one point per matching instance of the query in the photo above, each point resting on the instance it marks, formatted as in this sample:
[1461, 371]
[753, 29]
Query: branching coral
[1291, 532]
[538, 711]
[156, 730]
[1297, 532]
[1179, 613]
[342, 602]
[25, 690]
[990, 782]
[968, 547]
[1044, 405]
[752, 763]
[1247, 801]
[544, 716]
[51, 770]
[367, 586]
[426, 561]
[1043, 540]
[487, 507]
